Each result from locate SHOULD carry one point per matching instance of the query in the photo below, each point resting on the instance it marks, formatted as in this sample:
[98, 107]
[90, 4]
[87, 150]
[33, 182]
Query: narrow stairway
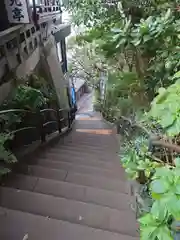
[76, 190]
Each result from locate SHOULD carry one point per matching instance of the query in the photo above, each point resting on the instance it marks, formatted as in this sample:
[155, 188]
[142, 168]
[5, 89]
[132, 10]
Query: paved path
[74, 190]
[85, 103]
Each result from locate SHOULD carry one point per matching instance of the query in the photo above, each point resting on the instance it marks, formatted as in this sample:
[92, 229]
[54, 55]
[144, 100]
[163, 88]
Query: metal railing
[30, 126]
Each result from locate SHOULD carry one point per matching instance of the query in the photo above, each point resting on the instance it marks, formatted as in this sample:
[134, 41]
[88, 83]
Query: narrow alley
[76, 189]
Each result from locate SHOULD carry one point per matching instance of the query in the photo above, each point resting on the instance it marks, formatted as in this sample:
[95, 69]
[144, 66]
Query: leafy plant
[45, 87]
[6, 156]
[25, 97]
[9, 120]
[165, 108]
[153, 228]
[165, 189]
[137, 160]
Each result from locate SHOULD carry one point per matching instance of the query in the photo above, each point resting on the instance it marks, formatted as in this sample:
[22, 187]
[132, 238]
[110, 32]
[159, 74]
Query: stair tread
[80, 147]
[83, 161]
[102, 156]
[87, 157]
[99, 182]
[71, 191]
[73, 144]
[16, 225]
[45, 172]
[70, 210]
[93, 142]
[75, 167]
[79, 178]
[82, 151]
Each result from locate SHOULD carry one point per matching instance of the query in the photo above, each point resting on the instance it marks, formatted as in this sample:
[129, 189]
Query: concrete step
[98, 182]
[71, 154]
[72, 142]
[73, 191]
[91, 144]
[70, 210]
[80, 150]
[95, 141]
[75, 147]
[78, 178]
[44, 172]
[85, 158]
[92, 125]
[74, 167]
[17, 225]
[88, 161]
[88, 134]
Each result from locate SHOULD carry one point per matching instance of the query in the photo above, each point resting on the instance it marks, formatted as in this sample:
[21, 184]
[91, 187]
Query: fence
[28, 127]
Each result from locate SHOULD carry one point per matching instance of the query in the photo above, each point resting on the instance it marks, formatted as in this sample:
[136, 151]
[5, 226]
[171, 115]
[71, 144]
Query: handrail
[40, 121]
[16, 110]
[28, 111]
[22, 129]
[34, 127]
[48, 110]
[47, 123]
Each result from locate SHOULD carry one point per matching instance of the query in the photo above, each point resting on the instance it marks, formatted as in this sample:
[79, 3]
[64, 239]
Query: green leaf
[176, 75]
[164, 233]
[121, 42]
[159, 210]
[174, 207]
[167, 120]
[115, 30]
[147, 233]
[136, 42]
[168, 14]
[159, 186]
[174, 129]
[177, 162]
[164, 173]
[168, 65]
[177, 191]
[146, 38]
[147, 219]
[161, 172]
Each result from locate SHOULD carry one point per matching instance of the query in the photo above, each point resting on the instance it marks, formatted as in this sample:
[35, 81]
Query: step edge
[75, 224]
[63, 198]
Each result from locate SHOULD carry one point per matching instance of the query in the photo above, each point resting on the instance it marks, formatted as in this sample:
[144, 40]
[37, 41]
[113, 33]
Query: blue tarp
[73, 95]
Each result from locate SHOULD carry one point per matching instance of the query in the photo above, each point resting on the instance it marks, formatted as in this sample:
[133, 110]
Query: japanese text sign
[17, 11]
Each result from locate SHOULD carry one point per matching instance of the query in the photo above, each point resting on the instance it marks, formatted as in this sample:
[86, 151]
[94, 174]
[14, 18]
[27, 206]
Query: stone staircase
[75, 189]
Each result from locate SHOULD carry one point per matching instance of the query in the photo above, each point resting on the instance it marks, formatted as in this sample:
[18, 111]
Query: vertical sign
[17, 11]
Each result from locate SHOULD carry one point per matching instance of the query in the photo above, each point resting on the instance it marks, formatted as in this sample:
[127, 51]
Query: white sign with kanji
[17, 11]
